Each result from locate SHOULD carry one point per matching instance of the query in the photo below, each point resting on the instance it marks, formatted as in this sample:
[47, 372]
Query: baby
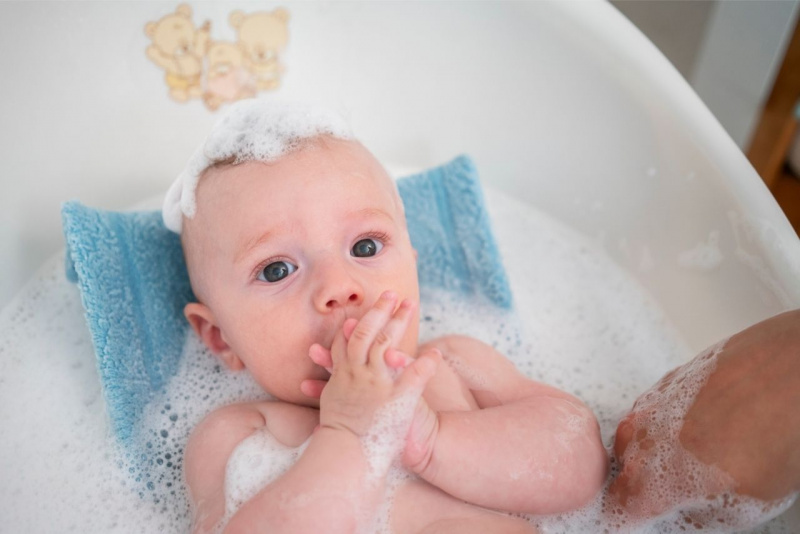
[297, 249]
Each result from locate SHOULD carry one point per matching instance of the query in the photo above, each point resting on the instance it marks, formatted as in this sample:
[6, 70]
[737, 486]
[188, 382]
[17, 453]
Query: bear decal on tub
[195, 66]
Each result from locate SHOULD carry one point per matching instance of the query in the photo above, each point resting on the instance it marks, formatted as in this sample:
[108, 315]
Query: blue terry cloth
[134, 285]
[450, 229]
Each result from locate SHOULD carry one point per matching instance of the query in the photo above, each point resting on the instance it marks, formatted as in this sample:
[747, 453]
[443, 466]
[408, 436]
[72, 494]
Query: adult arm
[744, 422]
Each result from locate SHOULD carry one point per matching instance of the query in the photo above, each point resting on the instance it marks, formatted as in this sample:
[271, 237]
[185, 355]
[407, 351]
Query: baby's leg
[424, 509]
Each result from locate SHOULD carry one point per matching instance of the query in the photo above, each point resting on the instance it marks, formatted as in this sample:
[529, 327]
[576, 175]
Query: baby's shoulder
[289, 423]
[212, 442]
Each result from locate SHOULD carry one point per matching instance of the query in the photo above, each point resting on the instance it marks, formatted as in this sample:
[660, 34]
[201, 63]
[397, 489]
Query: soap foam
[257, 129]
[254, 464]
[385, 439]
[580, 324]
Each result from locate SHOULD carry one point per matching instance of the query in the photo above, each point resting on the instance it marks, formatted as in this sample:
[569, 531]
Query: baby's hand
[361, 381]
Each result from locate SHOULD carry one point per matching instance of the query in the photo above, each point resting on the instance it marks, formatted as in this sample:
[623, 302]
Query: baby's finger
[368, 327]
[321, 356]
[390, 335]
[338, 350]
[397, 359]
[312, 388]
[348, 327]
[416, 375]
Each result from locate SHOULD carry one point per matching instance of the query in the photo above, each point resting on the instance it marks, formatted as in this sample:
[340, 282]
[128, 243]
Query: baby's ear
[205, 326]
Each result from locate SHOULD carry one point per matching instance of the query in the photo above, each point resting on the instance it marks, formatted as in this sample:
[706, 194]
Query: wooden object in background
[776, 131]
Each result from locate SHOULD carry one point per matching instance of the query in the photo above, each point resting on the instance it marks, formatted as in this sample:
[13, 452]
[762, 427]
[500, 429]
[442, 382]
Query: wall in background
[729, 51]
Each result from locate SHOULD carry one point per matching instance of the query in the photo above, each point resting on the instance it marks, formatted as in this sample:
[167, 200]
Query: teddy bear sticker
[227, 79]
[262, 37]
[217, 72]
[178, 48]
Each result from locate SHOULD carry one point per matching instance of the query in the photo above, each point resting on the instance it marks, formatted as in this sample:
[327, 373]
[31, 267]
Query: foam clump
[385, 439]
[252, 130]
[383, 445]
[255, 463]
[706, 256]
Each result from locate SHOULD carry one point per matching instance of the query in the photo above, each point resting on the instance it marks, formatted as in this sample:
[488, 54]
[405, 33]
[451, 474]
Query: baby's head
[293, 226]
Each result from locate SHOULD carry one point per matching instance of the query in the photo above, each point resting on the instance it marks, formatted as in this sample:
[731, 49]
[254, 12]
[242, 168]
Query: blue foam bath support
[134, 284]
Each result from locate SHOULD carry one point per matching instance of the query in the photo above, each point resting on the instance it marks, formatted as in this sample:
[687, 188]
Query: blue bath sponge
[134, 284]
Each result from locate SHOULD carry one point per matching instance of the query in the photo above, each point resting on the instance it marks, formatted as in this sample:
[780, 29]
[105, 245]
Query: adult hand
[741, 431]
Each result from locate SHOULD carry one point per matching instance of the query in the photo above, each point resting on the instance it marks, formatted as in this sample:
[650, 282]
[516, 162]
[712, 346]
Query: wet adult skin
[744, 420]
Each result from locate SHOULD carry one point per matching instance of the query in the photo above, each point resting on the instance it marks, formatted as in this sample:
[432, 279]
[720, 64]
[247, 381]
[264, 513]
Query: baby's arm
[530, 448]
[333, 487]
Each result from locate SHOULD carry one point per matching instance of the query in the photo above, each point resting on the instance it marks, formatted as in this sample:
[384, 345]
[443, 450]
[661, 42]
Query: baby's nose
[344, 299]
[338, 289]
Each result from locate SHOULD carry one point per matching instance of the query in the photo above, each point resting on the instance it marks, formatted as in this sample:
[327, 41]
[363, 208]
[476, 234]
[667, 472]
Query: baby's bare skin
[274, 255]
[418, 505]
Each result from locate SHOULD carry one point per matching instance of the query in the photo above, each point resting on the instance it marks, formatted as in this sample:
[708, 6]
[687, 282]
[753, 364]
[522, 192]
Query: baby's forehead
[332, 164]
[317, 162]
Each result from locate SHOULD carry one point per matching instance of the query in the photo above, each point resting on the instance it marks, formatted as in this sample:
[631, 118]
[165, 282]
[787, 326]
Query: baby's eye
[276, 271]
[366, 248]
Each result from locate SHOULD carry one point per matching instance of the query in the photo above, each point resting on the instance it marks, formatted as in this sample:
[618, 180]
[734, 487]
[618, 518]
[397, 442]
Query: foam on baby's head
[252, 130]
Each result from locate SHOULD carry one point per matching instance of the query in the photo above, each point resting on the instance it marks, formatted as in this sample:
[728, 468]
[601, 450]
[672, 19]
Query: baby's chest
[260, 459]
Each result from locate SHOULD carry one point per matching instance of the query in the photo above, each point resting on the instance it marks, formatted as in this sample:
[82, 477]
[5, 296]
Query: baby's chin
[294, 395]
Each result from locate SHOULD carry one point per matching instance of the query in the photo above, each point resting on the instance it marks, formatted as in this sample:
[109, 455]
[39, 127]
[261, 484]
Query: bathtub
[570, 110]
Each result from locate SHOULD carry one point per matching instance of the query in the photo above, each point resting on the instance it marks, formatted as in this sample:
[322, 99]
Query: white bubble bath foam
[580, 323]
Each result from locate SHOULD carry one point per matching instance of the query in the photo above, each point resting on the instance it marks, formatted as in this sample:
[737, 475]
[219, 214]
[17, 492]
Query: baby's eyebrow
[253, 243]
[368, 212]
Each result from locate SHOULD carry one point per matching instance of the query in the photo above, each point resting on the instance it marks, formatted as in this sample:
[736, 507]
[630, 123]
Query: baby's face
[282, 253]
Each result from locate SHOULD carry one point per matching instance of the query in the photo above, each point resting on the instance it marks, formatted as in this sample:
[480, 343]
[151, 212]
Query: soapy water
[580, 324]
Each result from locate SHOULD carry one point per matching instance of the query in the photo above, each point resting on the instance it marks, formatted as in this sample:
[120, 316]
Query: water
[580, 324]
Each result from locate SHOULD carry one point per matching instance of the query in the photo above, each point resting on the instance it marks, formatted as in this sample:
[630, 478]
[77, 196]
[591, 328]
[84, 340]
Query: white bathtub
[565, 106]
